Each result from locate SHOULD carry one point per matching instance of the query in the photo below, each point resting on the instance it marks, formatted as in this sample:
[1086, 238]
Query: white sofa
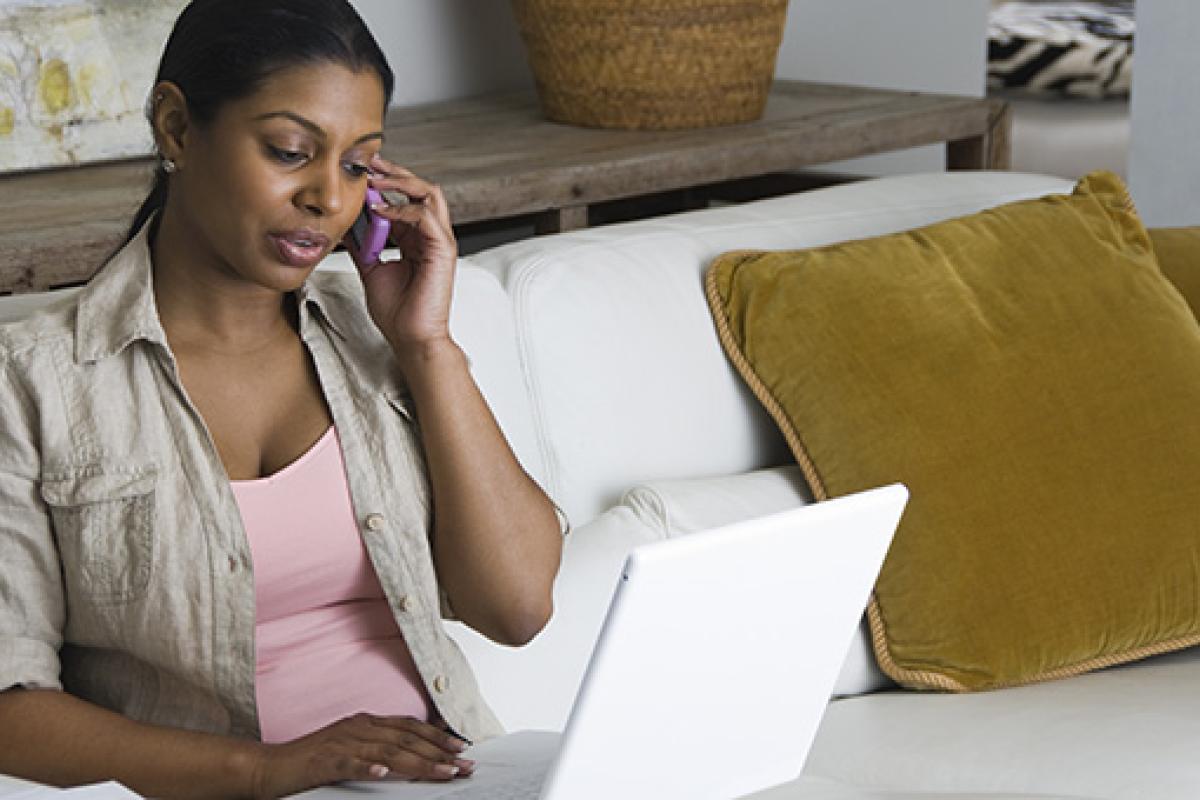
[597, 354]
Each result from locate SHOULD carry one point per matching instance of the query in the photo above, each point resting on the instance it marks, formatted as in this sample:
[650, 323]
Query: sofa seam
[520, 300]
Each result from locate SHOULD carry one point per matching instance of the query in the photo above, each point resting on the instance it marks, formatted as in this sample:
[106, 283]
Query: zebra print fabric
[1077, 49]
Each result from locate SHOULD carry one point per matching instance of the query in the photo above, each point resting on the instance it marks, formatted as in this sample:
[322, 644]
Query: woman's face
[274, 182]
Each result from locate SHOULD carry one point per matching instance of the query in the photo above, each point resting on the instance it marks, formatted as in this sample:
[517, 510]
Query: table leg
[560, 220]
[989, 150]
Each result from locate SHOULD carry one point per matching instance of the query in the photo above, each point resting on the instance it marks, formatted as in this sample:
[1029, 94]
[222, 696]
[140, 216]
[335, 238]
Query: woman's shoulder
[36, 339]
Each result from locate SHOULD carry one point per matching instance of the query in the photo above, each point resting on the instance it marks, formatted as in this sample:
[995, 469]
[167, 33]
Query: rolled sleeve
[29, 664]
[32, 609]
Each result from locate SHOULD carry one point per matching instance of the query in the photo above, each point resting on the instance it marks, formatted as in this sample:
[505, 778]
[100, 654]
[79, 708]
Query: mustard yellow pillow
[1178, 251]
[1034, 379]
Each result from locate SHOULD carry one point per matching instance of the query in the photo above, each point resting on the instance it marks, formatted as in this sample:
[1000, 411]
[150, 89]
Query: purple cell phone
[368, 237]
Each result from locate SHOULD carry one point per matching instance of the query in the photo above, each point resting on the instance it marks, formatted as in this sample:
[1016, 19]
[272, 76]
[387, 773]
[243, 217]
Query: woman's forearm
[496, 542]
[52, 737]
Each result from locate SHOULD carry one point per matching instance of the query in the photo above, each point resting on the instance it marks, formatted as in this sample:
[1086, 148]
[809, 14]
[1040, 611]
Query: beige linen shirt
[125, 573]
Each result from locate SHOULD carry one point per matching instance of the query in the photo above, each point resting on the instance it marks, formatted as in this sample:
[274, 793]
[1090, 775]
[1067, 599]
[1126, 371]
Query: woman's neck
[204, 305]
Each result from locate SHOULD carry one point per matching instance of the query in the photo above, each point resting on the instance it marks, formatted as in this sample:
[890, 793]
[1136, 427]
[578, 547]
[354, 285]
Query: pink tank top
[327, 644]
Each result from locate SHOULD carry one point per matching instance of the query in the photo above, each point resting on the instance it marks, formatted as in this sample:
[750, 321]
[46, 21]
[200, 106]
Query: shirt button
[440, 684]
[405, 603]
[375, 522]
[233, 564]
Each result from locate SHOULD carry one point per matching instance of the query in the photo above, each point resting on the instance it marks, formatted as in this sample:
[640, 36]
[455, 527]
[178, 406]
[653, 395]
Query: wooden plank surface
[57, 227]
[495, 156]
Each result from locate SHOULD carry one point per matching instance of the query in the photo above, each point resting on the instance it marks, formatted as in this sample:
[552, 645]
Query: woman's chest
[262, 412]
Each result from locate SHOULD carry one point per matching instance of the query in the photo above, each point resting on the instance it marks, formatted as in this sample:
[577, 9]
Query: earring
[169, 166]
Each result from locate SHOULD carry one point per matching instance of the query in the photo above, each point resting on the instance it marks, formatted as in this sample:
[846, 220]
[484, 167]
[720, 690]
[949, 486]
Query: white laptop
[712, 670]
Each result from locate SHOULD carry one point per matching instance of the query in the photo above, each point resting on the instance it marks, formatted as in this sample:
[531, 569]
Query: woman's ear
[170, 121]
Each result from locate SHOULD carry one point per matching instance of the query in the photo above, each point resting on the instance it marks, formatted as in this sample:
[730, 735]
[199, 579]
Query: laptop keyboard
[525, 786]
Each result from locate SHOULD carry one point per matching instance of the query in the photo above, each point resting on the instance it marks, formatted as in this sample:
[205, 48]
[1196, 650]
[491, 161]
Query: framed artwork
[74, 78]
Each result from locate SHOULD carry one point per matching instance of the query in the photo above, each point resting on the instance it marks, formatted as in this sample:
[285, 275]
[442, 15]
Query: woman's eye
[357, 170]
[288, 156]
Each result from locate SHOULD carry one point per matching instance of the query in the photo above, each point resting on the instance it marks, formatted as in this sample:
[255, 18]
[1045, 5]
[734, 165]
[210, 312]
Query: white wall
[924, 45]
[918, 45]
[446, 49]
[1164, 165]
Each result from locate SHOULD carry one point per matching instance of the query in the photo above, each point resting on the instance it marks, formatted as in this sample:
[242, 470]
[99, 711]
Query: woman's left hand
[409, 299]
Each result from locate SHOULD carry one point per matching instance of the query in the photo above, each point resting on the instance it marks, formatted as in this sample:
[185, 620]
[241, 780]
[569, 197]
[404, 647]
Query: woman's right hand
[362, 747]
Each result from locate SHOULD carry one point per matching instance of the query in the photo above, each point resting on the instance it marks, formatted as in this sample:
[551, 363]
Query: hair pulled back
[223, 50]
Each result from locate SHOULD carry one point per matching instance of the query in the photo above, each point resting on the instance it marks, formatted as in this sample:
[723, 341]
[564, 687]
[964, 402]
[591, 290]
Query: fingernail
[379, 771]
[446, 770]
[458, 737]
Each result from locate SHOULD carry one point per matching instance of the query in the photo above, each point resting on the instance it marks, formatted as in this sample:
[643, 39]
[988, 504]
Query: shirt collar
[309, 297]
[117, 306]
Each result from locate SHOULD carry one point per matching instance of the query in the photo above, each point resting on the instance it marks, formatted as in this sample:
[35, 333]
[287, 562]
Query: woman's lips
[300, 249]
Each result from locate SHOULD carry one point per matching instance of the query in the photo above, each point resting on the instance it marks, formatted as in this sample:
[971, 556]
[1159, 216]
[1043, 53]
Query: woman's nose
[323, 195]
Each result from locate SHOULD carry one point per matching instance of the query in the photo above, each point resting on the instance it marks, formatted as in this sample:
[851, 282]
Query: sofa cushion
[1033, 378]
[1128, 733]
[1178, 252]
[1081, 49]
[625, 374]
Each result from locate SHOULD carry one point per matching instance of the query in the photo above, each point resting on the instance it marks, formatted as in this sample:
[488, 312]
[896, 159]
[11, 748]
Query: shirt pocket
[104, 524]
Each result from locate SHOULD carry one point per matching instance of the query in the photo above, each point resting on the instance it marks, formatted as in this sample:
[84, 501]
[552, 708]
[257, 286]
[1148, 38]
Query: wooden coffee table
[496, 157]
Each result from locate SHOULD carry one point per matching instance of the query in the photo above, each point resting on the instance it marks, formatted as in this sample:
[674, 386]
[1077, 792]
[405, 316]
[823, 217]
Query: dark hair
[223, 50]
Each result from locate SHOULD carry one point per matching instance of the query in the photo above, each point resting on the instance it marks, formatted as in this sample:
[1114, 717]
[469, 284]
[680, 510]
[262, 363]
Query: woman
[235, 498]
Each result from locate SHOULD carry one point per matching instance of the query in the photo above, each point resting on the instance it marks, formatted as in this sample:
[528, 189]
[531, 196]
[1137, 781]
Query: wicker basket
[652, 64]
